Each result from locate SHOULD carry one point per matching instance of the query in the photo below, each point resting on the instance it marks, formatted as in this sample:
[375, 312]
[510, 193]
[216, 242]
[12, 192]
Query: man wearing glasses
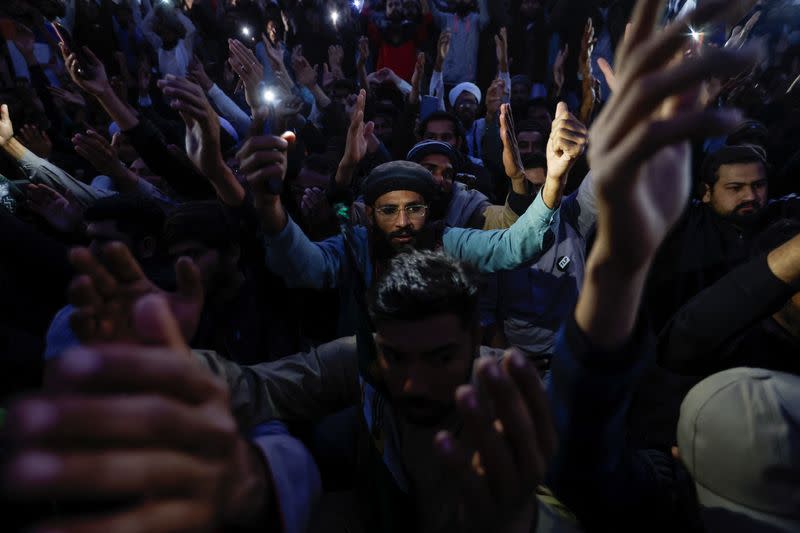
[397, 197]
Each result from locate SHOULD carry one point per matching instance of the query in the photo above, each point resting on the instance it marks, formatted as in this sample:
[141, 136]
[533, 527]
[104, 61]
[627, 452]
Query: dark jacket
[730, 325]
[608, 484]
[702, 249]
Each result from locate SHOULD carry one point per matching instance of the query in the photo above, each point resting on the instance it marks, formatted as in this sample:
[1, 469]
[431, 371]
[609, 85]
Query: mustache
[402, 233]
[753, 203]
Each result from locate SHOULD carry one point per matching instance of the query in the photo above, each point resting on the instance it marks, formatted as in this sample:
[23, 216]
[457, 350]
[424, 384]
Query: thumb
[369, 128]
[289, 137]
[4, 113]
[156, 324]
[326, 69]
[561, 109]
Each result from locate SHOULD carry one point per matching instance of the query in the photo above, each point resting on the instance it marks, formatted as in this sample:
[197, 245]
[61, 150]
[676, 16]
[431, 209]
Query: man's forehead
[425, 335]
[399, 198]
[439, 125]
[440, 160]
[747, 172]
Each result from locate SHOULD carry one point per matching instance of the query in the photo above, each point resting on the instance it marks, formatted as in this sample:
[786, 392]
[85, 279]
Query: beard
[746, 214]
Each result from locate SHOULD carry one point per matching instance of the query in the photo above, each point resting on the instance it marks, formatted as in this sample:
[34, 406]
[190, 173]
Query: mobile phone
[85, 70]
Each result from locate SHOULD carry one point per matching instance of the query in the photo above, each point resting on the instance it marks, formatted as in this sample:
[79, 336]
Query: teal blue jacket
[320, 265]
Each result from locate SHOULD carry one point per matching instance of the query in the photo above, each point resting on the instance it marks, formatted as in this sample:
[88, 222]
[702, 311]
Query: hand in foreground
[508, 439]
[639, 150]
[104, 295]
[143, 426]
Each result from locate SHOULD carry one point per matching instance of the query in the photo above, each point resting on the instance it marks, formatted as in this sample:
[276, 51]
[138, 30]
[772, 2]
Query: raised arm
[698, 338]
[640, 137]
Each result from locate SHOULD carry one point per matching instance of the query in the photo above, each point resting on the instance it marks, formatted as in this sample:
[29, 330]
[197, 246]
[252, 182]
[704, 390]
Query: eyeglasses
[393, 211]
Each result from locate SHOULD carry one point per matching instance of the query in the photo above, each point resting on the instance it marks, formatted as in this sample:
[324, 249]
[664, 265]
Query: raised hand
[494, 98]
[105, 293]
[442, 49]
[305, 74]
[67, 96]
[61, 212]
[249, 69]
[558, 68]
[274, 54]
[335, 59]
[36, 140]
[262, 160]
[202, 122]
[6, 127]
[641, 159]
[512, 161]
[740, 33]
[417, 79]
[197, 74]
[567, 142]
[121, 420]
[642, 134]
[98, 151]
[508, 438]
[363, 51]
[589, 85]
[608, 74]
[501, 49]
[357, 134]
[95, 85]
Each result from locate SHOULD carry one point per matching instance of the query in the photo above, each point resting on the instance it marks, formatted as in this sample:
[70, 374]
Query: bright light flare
[696, 35]
[246, 31]
[334, 17]
[269, 96]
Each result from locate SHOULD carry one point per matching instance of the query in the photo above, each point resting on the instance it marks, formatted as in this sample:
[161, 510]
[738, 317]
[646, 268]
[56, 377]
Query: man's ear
[370, 214]
[706, 193]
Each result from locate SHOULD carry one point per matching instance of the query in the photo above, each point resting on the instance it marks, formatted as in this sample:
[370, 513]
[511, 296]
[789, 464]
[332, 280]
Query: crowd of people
[447, 266]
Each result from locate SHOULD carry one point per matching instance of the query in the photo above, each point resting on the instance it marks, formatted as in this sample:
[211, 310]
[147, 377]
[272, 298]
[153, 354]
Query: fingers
[494, 453]
[608, 74]
[459, 460]
[139, 421]
[106, 475]
[518, 427]
[4, 116]
[121, 263]
[530, 386]
[123, 369]
[648, 138]
[643, 22]
[156, 516]
[645, 95]
[189, 280]
[85, 263]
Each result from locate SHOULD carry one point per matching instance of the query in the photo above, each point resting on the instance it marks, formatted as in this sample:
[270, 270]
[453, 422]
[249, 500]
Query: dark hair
[731, 155]
[206, 221]
[321, 163]
[420, 284]
[778, 233]
[534, 160]
[134, 214]
[442, 115]
[533, 125]
[749, 132]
